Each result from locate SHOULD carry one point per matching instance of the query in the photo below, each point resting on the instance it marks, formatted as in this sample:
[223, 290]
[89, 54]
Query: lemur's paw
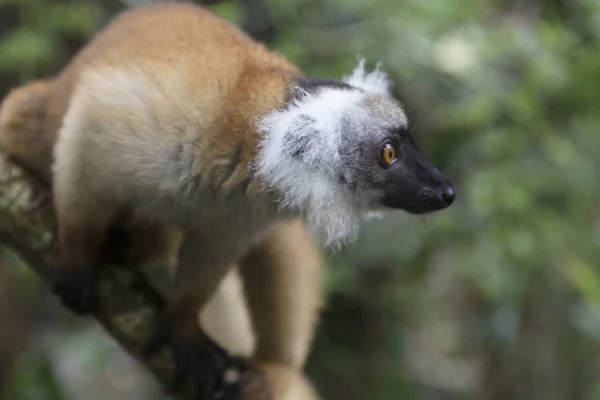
[200, 362]
[256, 385]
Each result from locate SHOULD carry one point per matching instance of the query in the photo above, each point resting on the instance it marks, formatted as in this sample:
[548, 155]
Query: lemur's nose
[448, 195]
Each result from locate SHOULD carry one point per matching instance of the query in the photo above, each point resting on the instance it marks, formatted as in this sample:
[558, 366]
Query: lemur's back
[160, 41]
[184, 53]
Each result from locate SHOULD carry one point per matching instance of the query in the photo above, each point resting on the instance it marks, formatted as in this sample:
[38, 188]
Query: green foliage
[34, 380]
[35, 42]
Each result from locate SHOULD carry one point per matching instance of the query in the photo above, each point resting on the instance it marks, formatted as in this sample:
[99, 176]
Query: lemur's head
[340, 150]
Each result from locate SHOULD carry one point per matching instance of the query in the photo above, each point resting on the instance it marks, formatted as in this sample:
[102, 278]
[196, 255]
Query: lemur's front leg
[197, 355]
[84, 221]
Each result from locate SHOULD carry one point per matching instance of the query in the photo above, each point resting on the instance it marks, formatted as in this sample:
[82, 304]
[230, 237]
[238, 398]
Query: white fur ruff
[311, 185]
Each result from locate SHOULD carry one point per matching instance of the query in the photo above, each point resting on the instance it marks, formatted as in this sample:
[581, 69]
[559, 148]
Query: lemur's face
[382, 164]
[340, 149]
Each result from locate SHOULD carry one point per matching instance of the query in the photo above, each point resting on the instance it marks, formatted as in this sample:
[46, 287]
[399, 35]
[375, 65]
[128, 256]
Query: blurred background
[496, 298]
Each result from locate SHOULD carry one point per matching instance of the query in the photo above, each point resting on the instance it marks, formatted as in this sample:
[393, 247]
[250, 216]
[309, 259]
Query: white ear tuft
[375, 81]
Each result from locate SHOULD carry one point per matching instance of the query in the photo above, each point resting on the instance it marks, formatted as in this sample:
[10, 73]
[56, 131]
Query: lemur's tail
[23, 133]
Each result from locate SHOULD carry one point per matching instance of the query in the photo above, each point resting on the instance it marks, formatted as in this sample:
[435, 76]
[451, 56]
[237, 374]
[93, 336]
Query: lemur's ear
[298, 140]
[375, 81]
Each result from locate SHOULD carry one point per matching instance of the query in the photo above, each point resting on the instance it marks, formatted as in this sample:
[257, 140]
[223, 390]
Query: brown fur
[202, 81]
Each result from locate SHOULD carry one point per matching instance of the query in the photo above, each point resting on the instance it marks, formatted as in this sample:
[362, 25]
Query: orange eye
[388, 153]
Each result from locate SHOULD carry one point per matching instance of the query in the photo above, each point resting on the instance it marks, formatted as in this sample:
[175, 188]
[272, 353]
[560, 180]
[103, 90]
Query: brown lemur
[173, 118]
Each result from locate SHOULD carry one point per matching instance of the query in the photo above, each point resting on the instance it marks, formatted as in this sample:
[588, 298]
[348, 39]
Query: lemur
[172, 118]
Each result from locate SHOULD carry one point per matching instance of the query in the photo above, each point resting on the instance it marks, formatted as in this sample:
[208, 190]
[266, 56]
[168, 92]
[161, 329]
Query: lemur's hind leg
[281, 279]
